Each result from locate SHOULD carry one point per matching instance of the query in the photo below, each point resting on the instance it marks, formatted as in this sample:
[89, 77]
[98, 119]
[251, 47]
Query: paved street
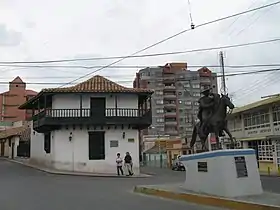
[271, 184]
[23, 188]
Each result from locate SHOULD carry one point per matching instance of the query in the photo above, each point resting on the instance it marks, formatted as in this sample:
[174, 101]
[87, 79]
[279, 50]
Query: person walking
[119, 162]
[128, 164]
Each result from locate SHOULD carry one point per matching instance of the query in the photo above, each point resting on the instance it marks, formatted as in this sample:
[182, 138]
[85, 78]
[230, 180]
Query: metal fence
[155, 160]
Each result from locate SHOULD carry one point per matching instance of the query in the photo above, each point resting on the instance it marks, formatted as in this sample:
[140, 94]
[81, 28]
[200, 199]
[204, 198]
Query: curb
[205, 200]
[72, 174]
[271, 175]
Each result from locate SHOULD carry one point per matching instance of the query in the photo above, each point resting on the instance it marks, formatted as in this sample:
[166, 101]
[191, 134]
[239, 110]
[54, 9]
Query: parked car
[177, 165]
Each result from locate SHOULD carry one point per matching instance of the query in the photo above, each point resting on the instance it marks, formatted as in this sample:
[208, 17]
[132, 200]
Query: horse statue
[217, 122]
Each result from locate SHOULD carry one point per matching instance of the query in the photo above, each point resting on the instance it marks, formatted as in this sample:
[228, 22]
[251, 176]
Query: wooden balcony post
[81, 105]
[45, 101]
[116, 105]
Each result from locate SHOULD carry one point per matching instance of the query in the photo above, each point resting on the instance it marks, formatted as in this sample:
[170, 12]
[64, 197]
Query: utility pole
[223, 79]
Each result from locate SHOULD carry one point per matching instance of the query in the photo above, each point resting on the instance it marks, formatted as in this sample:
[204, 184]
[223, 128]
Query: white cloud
[93, 28]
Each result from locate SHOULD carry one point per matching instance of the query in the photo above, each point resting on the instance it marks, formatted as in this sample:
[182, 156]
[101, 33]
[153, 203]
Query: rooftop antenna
[192, 24]
[273, 95]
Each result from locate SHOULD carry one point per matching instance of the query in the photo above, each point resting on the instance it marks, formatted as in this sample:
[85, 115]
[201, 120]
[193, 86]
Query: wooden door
[97, 107]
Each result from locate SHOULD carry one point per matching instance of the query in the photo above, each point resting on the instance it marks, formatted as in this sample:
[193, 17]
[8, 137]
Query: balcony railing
[86, 113]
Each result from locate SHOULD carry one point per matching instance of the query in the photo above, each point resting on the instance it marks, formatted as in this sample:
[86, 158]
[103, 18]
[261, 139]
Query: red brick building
[12, 99]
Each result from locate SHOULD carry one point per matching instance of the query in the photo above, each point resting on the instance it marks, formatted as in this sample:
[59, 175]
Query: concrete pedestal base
[226, 173]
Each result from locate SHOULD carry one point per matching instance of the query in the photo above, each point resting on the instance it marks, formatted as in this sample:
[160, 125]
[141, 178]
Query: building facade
[82, 128]
[174, 102]
[12, 99]
[257, 126]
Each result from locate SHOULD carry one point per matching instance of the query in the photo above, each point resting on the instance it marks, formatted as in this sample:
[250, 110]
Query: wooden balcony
[52, 119]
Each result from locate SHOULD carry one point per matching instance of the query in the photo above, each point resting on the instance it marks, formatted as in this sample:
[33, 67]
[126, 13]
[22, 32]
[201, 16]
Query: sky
[33, 30]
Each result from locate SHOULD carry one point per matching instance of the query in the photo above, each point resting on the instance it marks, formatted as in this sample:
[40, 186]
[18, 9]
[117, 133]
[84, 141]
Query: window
[187, 85]
[188, 103]
[47, 142]
[276, 115]
[278, 152]
[159, 111]
[159, 92]
[160, 120]
[256, 119]
[159, 101]
[196, 94]
[96, 145]
[266, 150]
[195, 86]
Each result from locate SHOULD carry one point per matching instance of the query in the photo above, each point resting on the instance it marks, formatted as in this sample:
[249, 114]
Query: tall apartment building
[12, 99]
[174, 102]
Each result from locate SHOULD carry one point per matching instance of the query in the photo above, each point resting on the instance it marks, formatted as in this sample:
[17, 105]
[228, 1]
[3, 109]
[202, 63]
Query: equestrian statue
[212, 117]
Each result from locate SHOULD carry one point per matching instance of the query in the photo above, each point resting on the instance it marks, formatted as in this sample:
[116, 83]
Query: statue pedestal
[226, 173]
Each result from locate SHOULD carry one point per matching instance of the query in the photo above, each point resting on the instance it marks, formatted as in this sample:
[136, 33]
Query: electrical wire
[253, 22]
[171, 37]
[138, 66]
[251, 5]
[12, 63]
[227, 75]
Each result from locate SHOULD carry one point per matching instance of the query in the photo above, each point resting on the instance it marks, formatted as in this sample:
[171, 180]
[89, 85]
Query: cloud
[9, 37]
[93, 28]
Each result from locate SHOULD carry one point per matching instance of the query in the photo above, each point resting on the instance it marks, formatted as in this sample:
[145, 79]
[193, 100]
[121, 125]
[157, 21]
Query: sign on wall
[241, 168]
[130, 140]
[114, 143]
[202, 167]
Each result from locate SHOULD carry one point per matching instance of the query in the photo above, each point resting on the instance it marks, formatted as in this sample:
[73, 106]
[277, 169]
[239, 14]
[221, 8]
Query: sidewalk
[25, 162]
[272, 174]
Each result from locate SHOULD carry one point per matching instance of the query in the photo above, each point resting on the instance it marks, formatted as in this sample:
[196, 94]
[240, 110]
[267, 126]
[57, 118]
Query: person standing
[119, 162]
[128, 164]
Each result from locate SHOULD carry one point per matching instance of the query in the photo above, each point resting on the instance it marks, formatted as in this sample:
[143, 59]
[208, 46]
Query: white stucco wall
[14, 140]
[72, 101]
[37, 152]
[74, 155]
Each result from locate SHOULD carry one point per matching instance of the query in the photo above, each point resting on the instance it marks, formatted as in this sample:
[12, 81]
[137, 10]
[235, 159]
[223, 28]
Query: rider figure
[206, 107]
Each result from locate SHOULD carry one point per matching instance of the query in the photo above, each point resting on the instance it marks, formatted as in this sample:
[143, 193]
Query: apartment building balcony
[168, 79]
[52, 119]
[173, 122]
[170, 105]
[171, 114]
[171, 132]
[169, 87]
[171, 96]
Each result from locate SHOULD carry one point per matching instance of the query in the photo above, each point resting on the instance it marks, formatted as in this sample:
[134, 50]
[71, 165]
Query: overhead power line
[227, 75]
[150, 46]
[175, 35]
[136, 66]
[15, 63]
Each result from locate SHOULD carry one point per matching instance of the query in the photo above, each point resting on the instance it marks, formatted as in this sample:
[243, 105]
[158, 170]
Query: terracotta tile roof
[98, 84]
[10, 132]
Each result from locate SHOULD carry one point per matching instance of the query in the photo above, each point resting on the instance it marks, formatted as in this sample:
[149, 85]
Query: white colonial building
[82, 128]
